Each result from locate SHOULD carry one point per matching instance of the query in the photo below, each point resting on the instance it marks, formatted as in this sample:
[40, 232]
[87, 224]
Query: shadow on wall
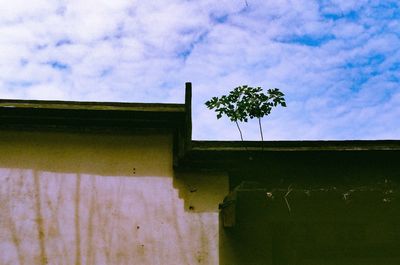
[345, 209]
[201, 191]
[101, 154]
[73, 199]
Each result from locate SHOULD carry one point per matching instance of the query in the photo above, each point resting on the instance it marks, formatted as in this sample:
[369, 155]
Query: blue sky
[337, 61]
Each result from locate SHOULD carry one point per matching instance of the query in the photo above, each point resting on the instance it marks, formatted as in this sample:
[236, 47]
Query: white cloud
[337, 61]
[48, 91]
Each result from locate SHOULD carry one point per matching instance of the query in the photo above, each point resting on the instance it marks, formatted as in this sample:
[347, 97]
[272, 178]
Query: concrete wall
[104, 199]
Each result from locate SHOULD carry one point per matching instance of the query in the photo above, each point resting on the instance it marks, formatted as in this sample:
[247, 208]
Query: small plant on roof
[246, 102]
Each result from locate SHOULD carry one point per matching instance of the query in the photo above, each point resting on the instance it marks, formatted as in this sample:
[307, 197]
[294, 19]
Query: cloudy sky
[337, 61]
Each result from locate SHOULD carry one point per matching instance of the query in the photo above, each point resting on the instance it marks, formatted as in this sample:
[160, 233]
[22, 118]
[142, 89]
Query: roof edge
[296, 145]
[90, 105]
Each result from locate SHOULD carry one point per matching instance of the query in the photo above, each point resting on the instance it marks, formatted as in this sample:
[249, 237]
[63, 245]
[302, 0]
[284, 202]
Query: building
[123, 183]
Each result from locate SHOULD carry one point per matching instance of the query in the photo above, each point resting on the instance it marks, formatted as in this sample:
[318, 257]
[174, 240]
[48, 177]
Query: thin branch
[240, 131]
[261, 132]
[286, 196]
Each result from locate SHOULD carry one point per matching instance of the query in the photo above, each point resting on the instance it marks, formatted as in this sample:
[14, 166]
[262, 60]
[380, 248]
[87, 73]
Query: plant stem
[261, 132]
[240, 131]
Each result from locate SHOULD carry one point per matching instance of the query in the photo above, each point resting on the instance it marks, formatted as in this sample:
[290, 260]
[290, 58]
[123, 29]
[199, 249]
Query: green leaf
[246, 102]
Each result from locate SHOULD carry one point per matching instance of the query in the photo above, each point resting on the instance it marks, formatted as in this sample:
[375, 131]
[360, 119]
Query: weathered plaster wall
[103, 199]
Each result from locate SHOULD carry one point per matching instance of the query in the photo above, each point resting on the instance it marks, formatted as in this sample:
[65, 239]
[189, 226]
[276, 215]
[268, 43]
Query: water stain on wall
[71, 213]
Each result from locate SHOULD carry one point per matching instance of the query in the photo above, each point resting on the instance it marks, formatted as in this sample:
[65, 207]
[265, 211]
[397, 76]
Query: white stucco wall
[103, 199]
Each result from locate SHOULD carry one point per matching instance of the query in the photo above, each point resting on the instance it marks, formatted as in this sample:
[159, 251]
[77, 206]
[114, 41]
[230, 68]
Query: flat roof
[77, 115]
[89, 105]
[232, 155]
[129, 117]
[296, 145]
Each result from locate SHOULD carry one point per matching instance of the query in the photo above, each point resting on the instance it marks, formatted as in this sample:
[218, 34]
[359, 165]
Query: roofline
[91, 105]
[119, 116]
[236, 155]
[86, 116]
[296, 145]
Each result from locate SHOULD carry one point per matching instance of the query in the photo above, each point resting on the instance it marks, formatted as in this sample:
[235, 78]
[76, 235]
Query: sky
[337, 61]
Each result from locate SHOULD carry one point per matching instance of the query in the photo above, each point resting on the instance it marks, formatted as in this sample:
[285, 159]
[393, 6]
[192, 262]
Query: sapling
[246, 102]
